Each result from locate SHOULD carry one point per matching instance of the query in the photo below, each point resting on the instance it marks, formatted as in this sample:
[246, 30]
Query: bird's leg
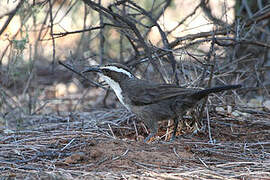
[175, 122]
[153, 126]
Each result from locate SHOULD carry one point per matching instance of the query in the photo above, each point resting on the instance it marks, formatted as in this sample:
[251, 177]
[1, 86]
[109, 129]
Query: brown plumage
[153, 102]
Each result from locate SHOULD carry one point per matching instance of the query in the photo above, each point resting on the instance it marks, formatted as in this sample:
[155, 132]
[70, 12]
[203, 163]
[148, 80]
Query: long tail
[201, 94]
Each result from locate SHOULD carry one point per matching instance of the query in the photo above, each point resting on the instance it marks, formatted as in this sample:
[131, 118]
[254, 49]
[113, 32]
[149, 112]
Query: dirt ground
[103, 144]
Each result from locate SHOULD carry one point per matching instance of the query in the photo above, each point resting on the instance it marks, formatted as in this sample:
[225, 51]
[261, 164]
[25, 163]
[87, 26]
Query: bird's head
[112, 72]
[114, 75]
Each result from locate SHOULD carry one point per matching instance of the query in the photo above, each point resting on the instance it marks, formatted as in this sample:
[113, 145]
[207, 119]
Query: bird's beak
[92, 69]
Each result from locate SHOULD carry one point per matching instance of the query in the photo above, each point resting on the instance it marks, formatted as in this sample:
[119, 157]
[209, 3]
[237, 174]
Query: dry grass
[102, 144]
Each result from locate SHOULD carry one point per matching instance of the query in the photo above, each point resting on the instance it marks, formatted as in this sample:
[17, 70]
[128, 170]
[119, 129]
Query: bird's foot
[148, 137]
[172, 139]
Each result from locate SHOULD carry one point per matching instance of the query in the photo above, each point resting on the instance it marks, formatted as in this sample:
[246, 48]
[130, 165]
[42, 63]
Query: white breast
[116, 88]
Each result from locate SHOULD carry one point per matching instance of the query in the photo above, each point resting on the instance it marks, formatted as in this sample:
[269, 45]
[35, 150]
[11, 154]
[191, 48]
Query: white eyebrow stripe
[114, 68]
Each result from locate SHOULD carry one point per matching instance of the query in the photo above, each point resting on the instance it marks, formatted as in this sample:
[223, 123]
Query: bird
[149, 101]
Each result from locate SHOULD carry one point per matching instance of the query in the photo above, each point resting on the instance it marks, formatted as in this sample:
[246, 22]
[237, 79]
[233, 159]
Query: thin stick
[67, 144]
[111, 131]
[203, 162]
[136, 130]
[209, 128]
[80, 74]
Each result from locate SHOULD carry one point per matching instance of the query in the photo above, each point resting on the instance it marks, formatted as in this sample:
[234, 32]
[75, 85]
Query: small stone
[266, 104]
[75, 158]
[236, 113]
[229, 109]
[220, 109]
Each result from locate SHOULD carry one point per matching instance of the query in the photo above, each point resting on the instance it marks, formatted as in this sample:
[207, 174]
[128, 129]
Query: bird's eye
[105, 71]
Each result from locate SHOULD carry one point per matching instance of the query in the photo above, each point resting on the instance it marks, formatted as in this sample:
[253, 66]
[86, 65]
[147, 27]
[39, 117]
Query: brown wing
[145, 92]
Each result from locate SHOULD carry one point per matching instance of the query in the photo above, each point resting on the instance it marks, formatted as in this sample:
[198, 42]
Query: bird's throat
[116, 88]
